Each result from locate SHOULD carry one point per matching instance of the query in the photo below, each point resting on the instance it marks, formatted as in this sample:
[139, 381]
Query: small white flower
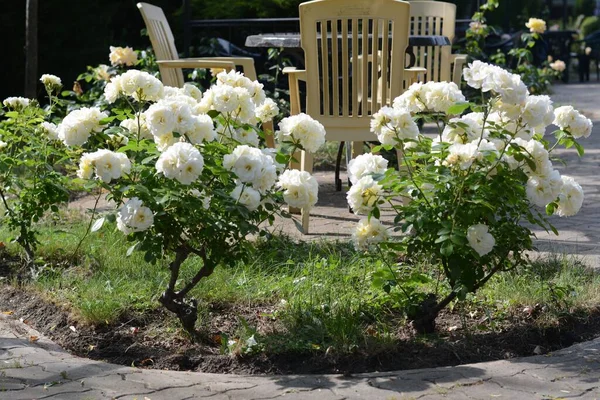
[300, 188]
[50, 129]
[134, 217]
[304, 130]
[182, 161]
[106, 164]
[51, 81]
[16, 103]
[78, 125]
[363, 195]
[247, 196]
[122, 56]
[369, 231]
[366, 164]
[570, 198]
[480, 239]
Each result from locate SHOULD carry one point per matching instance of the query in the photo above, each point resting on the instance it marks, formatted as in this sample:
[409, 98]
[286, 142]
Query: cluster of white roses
[138, 84]
[239, 98]
[16, 103]
[122, 56]
[509, 128]
[177, 121]
[302, 129]
[105, 164]
[76, 128]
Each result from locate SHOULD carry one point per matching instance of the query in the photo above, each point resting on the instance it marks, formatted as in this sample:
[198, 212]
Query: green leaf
[132, 249]
[98, 224]
[579, 148]
[458, 108]
[447, 249]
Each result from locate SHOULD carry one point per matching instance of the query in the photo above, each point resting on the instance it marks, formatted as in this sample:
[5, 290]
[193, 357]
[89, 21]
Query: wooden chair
[436, 18]
[170, 65]
[345, 86]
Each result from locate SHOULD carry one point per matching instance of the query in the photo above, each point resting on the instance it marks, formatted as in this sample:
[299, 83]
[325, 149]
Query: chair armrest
[196, 63]
[459, 60]
[294, 75]
[299, 74]
[412, 74]
[247, 64]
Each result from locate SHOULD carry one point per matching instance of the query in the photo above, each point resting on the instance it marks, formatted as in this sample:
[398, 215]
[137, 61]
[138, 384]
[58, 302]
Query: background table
[292, 41]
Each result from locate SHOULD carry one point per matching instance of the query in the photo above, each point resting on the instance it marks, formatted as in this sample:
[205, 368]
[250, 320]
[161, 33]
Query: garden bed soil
[142, 341]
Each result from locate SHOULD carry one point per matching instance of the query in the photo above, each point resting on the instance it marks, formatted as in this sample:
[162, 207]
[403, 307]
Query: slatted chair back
[433, 18]
[162, 41]
[345, 85]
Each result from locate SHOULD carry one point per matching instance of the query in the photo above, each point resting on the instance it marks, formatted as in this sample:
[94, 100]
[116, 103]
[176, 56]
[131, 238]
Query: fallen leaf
[33, 338]
[73, 328]
[8, 312]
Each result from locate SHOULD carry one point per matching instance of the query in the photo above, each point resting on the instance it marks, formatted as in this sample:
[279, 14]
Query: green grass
[319, 293]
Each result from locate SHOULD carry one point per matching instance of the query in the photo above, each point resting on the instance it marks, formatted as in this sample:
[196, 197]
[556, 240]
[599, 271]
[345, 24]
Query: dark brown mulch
[141, 341]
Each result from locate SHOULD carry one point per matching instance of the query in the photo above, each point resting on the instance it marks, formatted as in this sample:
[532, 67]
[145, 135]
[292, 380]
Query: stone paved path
[42, 370]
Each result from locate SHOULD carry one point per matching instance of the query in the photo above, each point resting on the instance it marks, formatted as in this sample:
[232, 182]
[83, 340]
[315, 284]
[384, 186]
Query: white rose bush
[466, 198]
[185, 168]
[32, 181]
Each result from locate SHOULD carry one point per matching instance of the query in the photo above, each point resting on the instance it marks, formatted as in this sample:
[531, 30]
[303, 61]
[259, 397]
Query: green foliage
[32, 178]
[590, 25]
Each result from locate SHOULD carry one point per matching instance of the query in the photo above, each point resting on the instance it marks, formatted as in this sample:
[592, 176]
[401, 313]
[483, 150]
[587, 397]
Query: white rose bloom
[102, 73]
[430, 96]
[134, 217]
[558, 65]
[538, 111]
[542, 190]
[479, 75]
[462, 155]
[160, 119]
[440, 96]
[463, 130]
[224, 98]
[122, 56]
[480, 239]
[410, 100]
[51, 81]
[570, 198]
[247, 196]
[165, 141]
[393, 124]
[300, 188]
[363, 195]
[369, 231]
[539, 155]
[566, 117]
[245, 136]
[112, 90]
[16, 103]
[132, 126]
[246, 162]
[136, 83]
[366, 164]
[267, 110]
[50, 129]
[182, 161]
[510, 87]
[3, 144]
[78, 125]
[86, 166]
[192, 91]
[302, 129]
[106, 164]
[201, 129]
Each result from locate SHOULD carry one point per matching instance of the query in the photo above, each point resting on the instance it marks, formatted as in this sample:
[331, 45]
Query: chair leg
[306, 165]
[338, 166]
[269, 132]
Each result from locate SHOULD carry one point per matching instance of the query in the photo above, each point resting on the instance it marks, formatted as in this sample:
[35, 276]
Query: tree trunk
[31, 48]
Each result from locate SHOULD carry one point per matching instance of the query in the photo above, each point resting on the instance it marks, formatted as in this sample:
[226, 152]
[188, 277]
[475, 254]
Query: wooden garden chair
[436, 18]
[345, 86]
[170, 65]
